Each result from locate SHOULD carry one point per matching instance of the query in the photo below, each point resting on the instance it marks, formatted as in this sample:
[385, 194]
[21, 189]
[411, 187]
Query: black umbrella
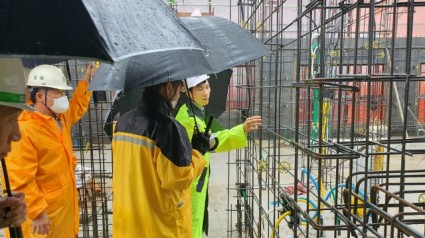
[160, 67]
[108, 30]
[129, 99]
[227, 45]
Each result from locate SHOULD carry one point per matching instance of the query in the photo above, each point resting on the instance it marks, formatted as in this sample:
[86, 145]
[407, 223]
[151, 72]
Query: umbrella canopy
[108, 30]
[226, 43]
[127, 100]
[160, 67]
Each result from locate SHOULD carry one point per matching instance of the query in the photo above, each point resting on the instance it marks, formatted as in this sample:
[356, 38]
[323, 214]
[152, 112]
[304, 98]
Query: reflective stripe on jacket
[154, 165]
[42, 165]
[228, 139]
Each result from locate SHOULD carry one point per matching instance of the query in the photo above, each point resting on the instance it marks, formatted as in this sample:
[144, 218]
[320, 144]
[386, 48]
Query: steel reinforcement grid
[341, 147]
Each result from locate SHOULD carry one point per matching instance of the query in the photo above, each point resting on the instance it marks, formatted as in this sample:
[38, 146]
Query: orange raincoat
[42, 165]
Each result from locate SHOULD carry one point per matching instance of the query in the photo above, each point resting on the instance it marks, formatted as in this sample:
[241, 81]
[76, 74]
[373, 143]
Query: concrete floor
[218, 215]
[220, 219]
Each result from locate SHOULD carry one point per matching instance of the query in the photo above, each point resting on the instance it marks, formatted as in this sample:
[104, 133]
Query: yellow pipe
[276, 226]
[378, 164]
[322, 191]
[326, 111]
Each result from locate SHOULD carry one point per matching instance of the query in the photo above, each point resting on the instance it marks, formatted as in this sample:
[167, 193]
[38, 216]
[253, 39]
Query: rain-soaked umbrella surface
[158, 68]
[108, 30]
[127, 100]
[226, 43]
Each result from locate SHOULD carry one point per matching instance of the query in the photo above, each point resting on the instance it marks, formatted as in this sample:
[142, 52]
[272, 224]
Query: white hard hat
[193, 81]
[47, 76]
[12, 84]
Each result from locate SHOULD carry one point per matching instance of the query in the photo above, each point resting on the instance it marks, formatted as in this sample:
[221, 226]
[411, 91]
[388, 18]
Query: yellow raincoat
[154, 165]
[42, 165]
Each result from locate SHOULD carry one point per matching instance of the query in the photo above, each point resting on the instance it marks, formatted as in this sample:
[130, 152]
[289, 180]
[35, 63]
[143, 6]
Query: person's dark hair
[175, 84]
[33, 92]
[151, 94]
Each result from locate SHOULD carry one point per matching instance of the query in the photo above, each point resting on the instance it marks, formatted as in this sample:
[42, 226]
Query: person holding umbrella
[193, 117]
[42, 163]
[154, 166]
[12, 102]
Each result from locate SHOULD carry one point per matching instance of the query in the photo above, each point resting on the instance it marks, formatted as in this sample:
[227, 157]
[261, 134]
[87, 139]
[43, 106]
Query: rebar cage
[92, 147]
[341, 98]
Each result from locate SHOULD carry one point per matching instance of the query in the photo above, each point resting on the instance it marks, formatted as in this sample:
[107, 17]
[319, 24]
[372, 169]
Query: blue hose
[340, 186]
[303, 170]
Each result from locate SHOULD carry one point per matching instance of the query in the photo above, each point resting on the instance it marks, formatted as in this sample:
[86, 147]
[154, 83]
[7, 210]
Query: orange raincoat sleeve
[77, 108]
[78, 104]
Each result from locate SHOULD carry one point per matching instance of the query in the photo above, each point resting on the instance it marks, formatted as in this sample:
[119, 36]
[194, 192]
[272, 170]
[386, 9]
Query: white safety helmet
[47, 76]
[193, 81]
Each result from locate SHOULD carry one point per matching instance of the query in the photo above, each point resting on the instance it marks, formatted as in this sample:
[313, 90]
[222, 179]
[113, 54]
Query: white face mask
[60, 105]
[173, 104]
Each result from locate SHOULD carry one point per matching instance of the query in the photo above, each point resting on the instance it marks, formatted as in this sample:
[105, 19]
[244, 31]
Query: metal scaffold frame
[340, 98]
[94, 158]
